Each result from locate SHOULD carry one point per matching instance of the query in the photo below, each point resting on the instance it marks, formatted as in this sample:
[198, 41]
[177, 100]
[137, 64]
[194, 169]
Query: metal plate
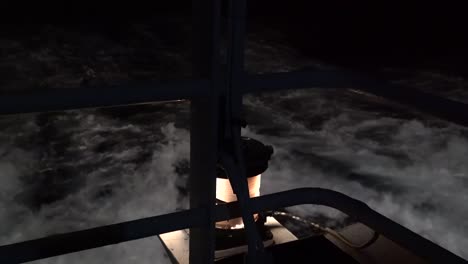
[383, 251]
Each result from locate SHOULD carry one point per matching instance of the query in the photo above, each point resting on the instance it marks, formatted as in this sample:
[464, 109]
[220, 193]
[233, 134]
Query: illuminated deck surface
[177, 242]
[324, 249]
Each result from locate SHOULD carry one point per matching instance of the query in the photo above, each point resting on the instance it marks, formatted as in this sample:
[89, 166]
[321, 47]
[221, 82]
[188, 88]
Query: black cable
[328, 230]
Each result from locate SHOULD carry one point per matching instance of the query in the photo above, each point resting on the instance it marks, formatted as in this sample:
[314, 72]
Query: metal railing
[137, 229]
[216, 102]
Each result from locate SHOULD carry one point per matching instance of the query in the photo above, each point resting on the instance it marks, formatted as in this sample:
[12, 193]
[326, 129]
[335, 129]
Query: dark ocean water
[77, 169]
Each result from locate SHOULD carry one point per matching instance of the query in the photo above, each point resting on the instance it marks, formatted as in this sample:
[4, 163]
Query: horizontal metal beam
[131, 93]
[112, 234]
[299, 80]
[98, 237]
[437, 106]
[440, 107]
[138, 92]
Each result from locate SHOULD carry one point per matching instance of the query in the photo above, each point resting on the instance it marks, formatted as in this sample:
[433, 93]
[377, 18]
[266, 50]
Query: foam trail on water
[410, 170]
[80, 169]
[117, 184]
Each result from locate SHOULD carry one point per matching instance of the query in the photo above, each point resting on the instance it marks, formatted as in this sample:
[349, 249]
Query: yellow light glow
[225, 193]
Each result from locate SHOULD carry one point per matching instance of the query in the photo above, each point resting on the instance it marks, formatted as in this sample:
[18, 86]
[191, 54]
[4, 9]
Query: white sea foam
[135, 192]
[414, 173]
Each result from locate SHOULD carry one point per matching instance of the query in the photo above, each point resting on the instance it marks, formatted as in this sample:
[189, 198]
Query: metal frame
[216, 102]
[146, 227]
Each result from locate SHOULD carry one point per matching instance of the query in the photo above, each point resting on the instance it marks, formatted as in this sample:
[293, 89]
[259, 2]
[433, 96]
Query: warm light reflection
[225, 193]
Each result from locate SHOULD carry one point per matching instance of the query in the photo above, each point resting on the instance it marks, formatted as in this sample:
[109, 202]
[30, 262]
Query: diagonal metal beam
[232, 157]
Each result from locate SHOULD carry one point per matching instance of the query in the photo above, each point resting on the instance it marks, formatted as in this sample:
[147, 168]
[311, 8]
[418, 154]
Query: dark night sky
[397, 31]
[373, 34]
[364, 36]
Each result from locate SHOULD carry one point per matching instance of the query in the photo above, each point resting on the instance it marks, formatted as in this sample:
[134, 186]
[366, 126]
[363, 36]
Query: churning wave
[411, 170]
[78, 169]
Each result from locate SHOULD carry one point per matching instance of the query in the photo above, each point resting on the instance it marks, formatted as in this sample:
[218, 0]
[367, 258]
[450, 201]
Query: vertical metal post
[204, 128]
[202, 181]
